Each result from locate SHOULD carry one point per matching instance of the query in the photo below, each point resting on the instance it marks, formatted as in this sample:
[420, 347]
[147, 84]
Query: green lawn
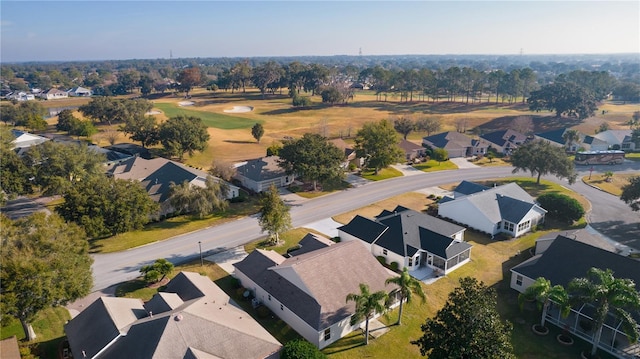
[171, 227]
[288, 240]
[433, 165]
[216, 120]
[635, 156]
[383, 174]
[49, 328]
[323, 189]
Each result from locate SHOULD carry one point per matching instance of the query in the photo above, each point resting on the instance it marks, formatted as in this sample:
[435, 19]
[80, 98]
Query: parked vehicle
[610, 157]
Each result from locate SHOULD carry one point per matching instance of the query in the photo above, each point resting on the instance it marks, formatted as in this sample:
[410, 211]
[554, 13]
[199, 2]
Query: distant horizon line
[336, 55]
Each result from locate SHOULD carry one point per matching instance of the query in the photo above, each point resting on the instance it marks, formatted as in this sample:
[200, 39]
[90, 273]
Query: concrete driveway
[462, 163]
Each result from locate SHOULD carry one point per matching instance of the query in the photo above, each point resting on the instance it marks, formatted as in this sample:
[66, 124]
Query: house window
[384, 251]
[269, 296]
[508, 226]
[410, 261]
[519, 280]
[327, 334]
[524, 225]
[499, 225]
[281, 307]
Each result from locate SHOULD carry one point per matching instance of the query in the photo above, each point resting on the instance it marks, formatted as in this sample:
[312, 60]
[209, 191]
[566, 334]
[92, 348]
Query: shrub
[301, 101]
[394, 266]
[382, 260]
[336, 239]
[352, 167]
[300, 349]
[561, 207]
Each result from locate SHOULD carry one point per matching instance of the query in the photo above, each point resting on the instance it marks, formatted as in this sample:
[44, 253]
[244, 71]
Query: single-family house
[503, 209]
[80, 92]
[308, 291]
[20, 96]
[191, 318]
[131, 149]
[157, 175]
[411, 150]
[562, 259]
[258, 174]
[617, 139]
[349, 153]
[557, 138]
[25, 140]
[504, 141]
[53, 94]
[411, 239]
[456, 144]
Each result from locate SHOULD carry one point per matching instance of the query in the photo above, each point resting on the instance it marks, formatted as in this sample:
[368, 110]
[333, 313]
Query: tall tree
[468, 326]
[66, 120]
[57, 166]
[563, 98]
[201, 201]
[189, 78]
[45, 262]
[377, 143]
[105, 207]
[544, 293]
[274, 214]
[14, 173]
[222, 169]
[265, 75]
[313, 158]
[607, 294]
[407, 286]
[404, 126]
[142, 128]
[241, 74]
[367, 305]
[631, 193]
[541, 158]
[428, 124]
[257, 131]
[182, 134]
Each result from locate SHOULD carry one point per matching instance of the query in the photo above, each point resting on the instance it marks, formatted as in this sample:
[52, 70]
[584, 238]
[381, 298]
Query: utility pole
[201, 260]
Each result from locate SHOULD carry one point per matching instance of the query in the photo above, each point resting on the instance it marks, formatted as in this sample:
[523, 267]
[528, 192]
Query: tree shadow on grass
[351, 341]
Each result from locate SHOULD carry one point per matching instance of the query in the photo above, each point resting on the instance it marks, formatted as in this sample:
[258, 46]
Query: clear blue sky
[99, 30]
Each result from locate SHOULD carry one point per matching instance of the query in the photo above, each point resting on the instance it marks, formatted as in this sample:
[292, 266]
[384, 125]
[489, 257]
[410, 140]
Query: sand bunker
[185, 103]
[150, 113]
[239, 109]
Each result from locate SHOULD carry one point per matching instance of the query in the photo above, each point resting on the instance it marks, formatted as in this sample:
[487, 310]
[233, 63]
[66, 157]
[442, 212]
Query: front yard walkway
[407, 170]
[376, 328]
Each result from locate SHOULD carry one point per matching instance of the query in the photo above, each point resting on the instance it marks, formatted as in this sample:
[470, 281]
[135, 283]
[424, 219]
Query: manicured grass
[484, 162]
[635, 156]
[383, 174]
[413, 200]
[171, 227]
[614, 187]
[324, 189]
[433, 165]
[49, 328]
[211, 119]
[288, 240]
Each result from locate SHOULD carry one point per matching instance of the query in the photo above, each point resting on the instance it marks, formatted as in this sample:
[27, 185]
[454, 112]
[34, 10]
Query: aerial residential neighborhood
[319, 180]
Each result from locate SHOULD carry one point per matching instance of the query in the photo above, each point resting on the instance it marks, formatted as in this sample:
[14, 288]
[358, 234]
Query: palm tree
[607, 294]
[608, 176]
[542, 291]
[407, 286]
[367, 304]
[569, 137]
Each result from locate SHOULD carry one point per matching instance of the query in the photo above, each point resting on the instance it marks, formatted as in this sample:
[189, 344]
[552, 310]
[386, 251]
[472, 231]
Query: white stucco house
[80, 92]
[53, 94]
[308, 291]
[411, 239]
[617, 139]
[562, 259]
[503, 209]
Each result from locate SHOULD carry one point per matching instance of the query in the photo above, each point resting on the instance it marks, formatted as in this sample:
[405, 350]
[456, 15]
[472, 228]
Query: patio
[425, 274]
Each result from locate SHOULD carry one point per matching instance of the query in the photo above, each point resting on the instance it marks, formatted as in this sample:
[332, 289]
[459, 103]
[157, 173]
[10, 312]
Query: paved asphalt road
[610, 216]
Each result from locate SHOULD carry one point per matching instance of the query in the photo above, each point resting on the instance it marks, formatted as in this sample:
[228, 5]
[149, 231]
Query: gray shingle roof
[448, 140]
[311, 242]
[503, 138]
[207, 322]
[566, 259]
[364, 228]
[513, 210]
[442, 246]
[261, 169]
[326, 275]
[554, 135]
[466, 187]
